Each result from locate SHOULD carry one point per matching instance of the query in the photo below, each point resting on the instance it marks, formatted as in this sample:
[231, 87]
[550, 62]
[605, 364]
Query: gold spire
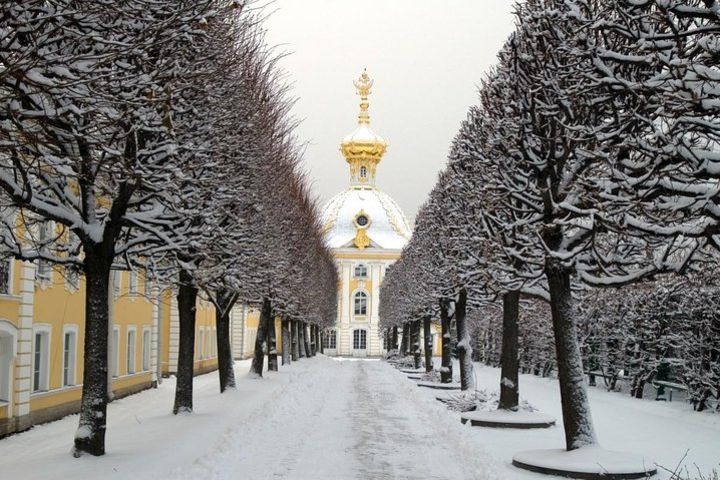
[363, 86]
[363, 149]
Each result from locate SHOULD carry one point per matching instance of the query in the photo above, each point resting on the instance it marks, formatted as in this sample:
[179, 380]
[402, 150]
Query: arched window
[359, 339]
[329, 339]
[8, 335]
[363, 172]
[361, 271]
[361, 303]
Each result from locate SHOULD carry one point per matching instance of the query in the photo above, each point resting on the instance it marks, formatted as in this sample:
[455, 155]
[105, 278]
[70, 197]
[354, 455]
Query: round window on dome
[362, 220]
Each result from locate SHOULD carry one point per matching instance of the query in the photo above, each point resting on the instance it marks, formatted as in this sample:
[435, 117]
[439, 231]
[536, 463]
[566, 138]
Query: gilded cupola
[363, 149]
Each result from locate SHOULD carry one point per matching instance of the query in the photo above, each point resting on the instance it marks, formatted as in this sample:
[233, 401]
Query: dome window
[363, 172]
[361, 271]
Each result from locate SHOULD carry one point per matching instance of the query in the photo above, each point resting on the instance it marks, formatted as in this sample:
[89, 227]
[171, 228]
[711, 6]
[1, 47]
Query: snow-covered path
[327, 418]
[318, 419]
[396, 437]
[346, 420]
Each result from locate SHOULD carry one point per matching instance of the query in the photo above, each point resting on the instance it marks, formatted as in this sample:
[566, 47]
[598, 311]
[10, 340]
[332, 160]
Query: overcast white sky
[426, 57]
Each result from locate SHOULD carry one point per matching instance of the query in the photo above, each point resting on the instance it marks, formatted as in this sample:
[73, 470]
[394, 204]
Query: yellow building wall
[57, 305]
[252, 319]
[9, 304]
[205, 354]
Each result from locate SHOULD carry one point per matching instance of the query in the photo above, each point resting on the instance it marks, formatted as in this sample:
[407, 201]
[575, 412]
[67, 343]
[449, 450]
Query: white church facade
[366, 230]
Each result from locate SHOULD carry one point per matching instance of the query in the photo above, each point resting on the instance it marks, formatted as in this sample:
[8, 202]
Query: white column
[23, 360]
[155, 337]
[238, 315]
[345, 335]
[174, 341]
[375, 344]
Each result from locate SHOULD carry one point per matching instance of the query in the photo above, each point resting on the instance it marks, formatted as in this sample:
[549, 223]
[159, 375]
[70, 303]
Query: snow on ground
[663, 432]
[336, 419]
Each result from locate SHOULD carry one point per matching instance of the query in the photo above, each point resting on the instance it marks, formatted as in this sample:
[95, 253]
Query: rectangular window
[360, 303]
[146, 351]
[132, 282]
[116, 280]
[40, 357]
[147, 286]
[115, 353]
[73, 277]
[44, 269]
[361, 271]
[199, 345]
[5, 266]
[330, 339]
[69, 349]
[130, 352]
[208, 343]
[359, 339]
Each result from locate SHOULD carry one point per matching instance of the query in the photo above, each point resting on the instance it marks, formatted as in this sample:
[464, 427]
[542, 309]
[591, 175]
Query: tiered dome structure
[362, 216]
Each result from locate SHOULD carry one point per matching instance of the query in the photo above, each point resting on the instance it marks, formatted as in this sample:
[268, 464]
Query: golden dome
[363, 149]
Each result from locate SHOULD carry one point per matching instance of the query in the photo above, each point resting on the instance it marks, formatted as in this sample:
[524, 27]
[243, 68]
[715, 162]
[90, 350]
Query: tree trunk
[306, 340]
[272, 345]
[394, 338]
[301, 339]
[405, 346]
[319, 338]
[577, 420]
[428, 344]
[186, 298]
[226, 372]
[313, 345]
[90, 435]
[285, 341]
[295, 341]
[261, 338]
[467, 374]
[446, 370]
[509, 390]
[415, 342]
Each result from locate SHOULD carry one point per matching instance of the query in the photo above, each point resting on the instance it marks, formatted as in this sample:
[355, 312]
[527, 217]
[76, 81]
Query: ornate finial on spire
[363, 86]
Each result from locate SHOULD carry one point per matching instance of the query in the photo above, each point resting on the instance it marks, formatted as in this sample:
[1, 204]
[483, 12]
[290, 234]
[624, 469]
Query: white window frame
[131, 350]
[41, 362]
[146, 349]
[133, 282]
[330, 339]
[9, 336]
[361, 340]
[199, 344]
[11, 265]
[115, 353]
[44, 268]
[363, 172]
[360, 271]
[360, 310]
[69, 364]
[147, 286]
[208, 343]
[72, 277]
[116, 281]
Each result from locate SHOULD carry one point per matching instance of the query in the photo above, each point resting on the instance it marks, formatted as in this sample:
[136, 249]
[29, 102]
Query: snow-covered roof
[363, 134]
[389, 229]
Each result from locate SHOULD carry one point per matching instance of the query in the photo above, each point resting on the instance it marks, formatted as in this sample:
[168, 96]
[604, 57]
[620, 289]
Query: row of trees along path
[156, 136]
[589, 163]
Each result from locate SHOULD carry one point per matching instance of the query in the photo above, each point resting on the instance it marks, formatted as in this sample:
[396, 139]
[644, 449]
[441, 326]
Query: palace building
[366, 231]
[42, 332]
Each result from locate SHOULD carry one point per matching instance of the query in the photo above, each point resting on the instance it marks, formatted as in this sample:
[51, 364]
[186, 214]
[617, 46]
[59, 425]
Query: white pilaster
[174, 341]
[23, 359]
[155, 335]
